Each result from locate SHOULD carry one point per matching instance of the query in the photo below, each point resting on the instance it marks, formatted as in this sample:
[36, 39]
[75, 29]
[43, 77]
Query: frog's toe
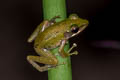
[74, 53]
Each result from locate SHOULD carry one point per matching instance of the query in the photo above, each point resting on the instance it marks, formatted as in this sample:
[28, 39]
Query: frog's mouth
[80, 29]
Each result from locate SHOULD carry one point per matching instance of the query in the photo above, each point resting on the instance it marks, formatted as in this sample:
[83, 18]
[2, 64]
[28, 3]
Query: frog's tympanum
[51, 34]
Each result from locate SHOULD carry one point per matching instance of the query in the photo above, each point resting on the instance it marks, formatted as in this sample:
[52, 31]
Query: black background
[18, 18]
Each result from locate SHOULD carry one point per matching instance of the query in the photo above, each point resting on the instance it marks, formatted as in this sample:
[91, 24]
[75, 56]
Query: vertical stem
[53, 8]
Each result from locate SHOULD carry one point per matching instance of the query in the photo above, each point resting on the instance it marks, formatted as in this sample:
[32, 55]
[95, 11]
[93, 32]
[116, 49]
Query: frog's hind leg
[40, 28]
[50, 62]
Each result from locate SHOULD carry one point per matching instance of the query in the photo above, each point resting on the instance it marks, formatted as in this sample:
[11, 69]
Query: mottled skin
[49, 35]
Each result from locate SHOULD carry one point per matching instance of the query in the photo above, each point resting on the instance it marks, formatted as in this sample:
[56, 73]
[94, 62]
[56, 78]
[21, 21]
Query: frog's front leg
[65, 54]
[48, 59]
[75, 52]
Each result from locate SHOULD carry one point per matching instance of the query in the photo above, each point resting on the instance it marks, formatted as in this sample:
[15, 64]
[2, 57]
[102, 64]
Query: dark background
[18, 18]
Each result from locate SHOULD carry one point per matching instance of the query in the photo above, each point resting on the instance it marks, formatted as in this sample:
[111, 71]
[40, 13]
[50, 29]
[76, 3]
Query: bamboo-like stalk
[53, 8]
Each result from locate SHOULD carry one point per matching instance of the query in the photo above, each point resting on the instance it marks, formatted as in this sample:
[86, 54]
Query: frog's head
[76, 25]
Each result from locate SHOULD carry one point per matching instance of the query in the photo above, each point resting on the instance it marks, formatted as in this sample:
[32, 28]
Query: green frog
[51, 34]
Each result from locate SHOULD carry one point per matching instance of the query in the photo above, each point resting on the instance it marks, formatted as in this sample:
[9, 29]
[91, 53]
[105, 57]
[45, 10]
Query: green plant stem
[53, 8]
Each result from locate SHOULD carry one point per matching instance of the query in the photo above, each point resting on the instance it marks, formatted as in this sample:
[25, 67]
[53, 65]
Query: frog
[49, 35]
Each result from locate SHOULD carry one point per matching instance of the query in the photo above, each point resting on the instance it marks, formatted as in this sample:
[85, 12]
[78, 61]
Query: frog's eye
[74, 28]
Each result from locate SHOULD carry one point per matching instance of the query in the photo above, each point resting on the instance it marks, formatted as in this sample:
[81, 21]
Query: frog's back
[52, 35]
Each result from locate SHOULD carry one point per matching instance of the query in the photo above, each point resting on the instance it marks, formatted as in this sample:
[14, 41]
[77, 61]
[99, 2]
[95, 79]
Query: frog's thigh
[45, 60]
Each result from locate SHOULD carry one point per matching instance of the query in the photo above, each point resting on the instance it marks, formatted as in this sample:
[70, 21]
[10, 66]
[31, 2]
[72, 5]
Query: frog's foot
[49, 67]
[65, 54]
[73, 53]
[73, 46]
[63, 63]
[53, 20]
[45, 60]
[69, 54]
